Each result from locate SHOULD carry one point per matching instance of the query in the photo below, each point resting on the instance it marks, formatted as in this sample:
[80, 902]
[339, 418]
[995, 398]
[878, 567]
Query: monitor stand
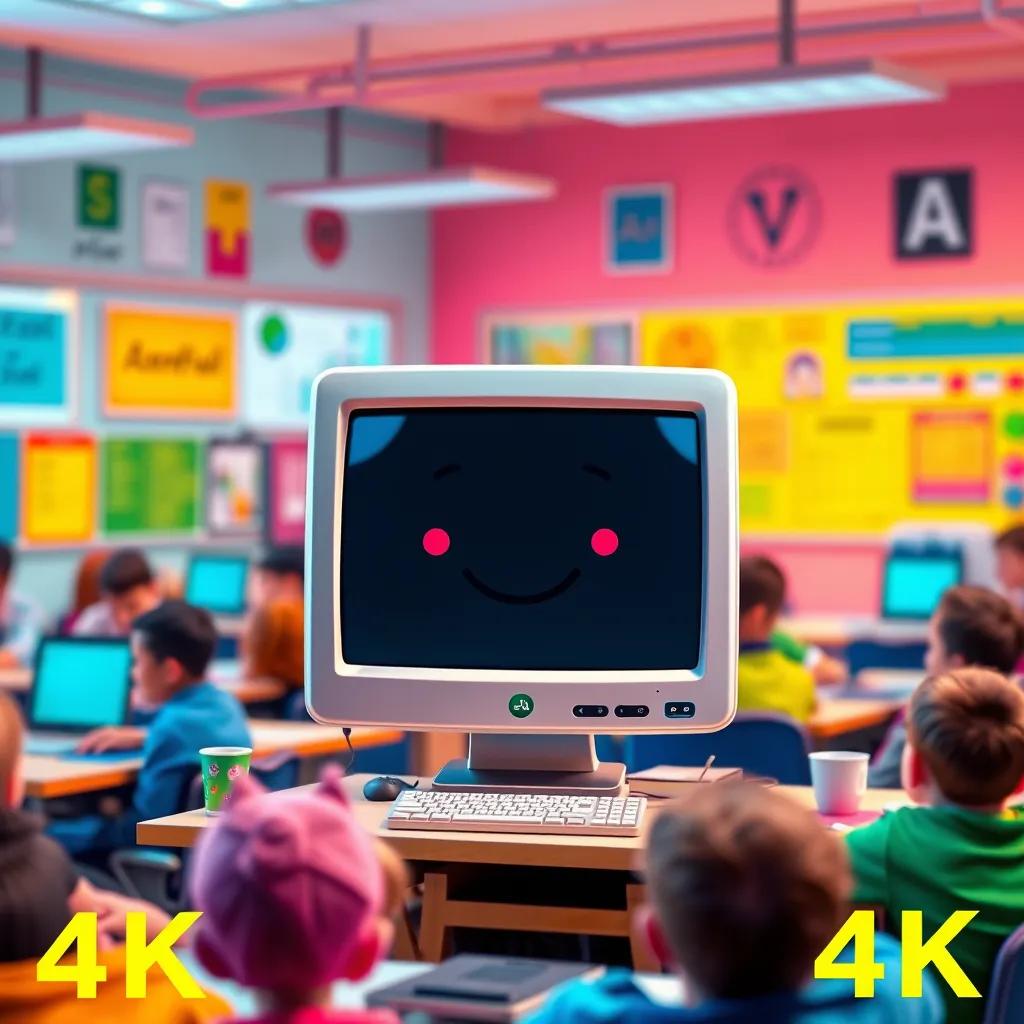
[537, 763]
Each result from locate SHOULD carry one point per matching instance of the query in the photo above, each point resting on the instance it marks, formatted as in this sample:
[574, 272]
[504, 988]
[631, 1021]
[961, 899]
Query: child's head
[762, 593]
[87, 589]
[129, 586]
[1010, 557]
[292, 890]
[747, 888]
[974, 626]
[965, 739]
[279, 576]
[172, 647]
[12, 786]
[274, 642]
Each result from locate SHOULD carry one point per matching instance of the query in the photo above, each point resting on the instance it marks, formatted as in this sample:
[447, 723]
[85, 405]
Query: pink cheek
[605, 542]
[436, 542]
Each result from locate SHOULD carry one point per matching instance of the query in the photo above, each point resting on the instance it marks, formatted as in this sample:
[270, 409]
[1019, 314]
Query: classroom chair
[862, 654]
[1005, 1003]
[761, 743]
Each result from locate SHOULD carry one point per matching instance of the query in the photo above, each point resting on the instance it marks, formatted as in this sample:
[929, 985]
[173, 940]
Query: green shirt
[769, 681]
[941, 859]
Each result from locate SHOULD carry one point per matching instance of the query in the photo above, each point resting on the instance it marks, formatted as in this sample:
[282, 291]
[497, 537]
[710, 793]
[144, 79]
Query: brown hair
[1012, 538]
[968, 726]
[748, 887]
[274, 643]
[981, 627]
[761, 582]
[10, 743]
[87, 579]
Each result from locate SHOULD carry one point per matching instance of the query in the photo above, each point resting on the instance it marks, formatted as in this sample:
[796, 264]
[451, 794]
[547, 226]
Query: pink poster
[287, 491]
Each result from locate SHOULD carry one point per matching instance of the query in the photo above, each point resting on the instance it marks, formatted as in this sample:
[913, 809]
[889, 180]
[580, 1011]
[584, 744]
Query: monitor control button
[680, 709]
[590, 710]
[632, 711]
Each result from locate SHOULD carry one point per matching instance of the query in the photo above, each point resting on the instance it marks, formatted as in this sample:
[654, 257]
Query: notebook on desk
[491, 989]
[668, 780]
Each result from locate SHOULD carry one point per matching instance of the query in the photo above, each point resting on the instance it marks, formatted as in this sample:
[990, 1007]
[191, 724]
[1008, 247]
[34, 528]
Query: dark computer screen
[522, 538]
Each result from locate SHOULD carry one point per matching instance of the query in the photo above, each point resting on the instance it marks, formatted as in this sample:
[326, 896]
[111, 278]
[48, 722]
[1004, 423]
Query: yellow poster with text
[170, 363]
[59, 494]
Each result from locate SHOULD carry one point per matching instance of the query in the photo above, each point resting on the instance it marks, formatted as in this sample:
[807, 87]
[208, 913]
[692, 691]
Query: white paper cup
[839, 778]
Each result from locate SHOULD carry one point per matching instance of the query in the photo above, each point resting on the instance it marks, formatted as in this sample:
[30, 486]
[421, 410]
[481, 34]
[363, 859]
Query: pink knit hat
[289, 885]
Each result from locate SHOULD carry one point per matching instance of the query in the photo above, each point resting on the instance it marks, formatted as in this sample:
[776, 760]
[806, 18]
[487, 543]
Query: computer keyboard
[518, 812]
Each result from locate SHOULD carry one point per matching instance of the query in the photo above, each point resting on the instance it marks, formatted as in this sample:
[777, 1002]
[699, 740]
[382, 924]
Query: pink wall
[550, 254]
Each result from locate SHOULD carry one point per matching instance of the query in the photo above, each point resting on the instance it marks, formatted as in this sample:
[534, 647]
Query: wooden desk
[439, 855]
[839, 630]
[895, 683]
[47, 776]
[837, 716]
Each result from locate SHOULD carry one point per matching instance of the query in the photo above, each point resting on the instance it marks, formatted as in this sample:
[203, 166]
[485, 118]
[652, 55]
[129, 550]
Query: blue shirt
[21, 625]
[616, 999]
[198, 716]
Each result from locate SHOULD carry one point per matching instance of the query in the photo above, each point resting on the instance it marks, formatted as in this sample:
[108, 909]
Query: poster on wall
[150, 485]
[165, 225]
[234, 488]
[286, 347]
[58, 489]
[638, 229]
[8, 216]
[933, 215]
[227, 234]
[98, 212]
[162, 362]
[38, 346]
[559, 339]
[10, 477]
[286, 491]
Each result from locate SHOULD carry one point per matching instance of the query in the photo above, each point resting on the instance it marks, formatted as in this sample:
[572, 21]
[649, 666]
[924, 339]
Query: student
[171, 646]
[129, 589]
[1010, 562]
[39, 893]
[824, 668]
[294, 896]
[279, 576]
[20, 621]
[86, 589]
[746, 889]
[768, 679]
[971, 626]
[963, 849]
[274, 644]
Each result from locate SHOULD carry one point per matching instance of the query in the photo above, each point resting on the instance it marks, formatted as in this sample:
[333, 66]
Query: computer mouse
[385, 787]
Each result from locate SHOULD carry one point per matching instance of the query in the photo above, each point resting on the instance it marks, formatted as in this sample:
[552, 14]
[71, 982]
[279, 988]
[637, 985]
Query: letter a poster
[169, 363]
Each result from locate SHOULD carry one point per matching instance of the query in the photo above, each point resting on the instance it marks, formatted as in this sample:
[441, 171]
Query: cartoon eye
[605, 542]
[436, 541]
[214, 769]
[234, 771]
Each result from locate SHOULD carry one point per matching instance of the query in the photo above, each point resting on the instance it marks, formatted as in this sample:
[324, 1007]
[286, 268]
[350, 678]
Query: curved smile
[543, 595]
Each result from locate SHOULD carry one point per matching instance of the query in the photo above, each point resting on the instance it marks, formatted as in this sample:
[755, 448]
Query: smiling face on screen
[490, 537]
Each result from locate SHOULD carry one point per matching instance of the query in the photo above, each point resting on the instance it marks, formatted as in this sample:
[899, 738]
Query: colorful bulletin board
[234, 488]
[9, 486]
[557, 339]
[38, 343]
[287, 346]
[853, 418]
[59, 489]
[150, 485]
[286, 491]
[169, 362]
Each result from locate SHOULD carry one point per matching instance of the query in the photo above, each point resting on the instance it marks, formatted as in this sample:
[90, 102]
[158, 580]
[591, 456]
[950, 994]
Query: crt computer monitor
[217, 582]
[522, 550]
[915, 580]
[80, 683]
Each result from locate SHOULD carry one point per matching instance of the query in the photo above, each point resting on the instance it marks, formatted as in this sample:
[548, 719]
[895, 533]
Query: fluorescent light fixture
[780, 90]
[446, 186]
[85, 134]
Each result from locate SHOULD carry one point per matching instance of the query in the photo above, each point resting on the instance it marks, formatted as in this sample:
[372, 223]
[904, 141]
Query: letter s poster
[164, 363]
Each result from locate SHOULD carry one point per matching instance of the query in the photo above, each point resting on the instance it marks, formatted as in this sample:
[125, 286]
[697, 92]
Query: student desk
[441, 859]
[897, 683]
[47, 776]
[836, 716]
[839, 631]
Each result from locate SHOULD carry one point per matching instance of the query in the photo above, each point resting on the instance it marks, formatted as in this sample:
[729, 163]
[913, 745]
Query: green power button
[521, 705]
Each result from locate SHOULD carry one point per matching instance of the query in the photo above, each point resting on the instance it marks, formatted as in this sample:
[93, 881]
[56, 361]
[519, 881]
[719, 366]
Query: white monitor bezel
[477, 699]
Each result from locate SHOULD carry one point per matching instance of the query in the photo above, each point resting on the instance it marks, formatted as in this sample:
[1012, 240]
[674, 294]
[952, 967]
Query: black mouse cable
[350, 763]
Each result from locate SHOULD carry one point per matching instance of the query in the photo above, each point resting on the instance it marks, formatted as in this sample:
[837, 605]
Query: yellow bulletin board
[855, 417]
[58, 489]
[169, 362]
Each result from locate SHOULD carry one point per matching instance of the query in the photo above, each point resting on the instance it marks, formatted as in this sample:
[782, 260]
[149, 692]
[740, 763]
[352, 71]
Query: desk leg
[433, 929]
[643, 958]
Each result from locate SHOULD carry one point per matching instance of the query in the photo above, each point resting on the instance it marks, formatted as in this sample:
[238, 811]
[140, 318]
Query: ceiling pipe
[327, 86]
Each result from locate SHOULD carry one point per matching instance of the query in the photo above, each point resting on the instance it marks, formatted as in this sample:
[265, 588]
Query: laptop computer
[218, 582]
[915, 580]
[80, 684]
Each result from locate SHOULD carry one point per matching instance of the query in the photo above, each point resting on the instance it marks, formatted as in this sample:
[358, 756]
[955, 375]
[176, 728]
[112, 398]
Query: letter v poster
[169, 363]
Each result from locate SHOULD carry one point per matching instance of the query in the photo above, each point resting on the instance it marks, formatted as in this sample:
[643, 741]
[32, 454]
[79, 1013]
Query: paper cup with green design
[220, 767]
